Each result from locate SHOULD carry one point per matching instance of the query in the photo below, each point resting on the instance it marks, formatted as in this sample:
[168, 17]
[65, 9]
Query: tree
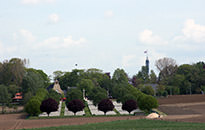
[57, 75]
[98, 97]
[33, 107]
[85, 84]
[105, 105]
[153, 77]
[160, 90]
[147, 102]
[4, 96]
[120, 76]
[74, 94]
[167, 67]
[129, 105]
[49, 105]
[75, 105]
[54, 95]
[12, 71]
[127, 97]
[32, 81]
[143, 74]
[148, 90]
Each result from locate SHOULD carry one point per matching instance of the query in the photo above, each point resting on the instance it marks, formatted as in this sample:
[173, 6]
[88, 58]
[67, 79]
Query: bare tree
[166, 66]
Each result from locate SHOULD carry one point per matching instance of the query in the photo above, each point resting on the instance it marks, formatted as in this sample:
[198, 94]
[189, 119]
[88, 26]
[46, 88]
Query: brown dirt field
[186, 108]
[18, 121]
[182, 99]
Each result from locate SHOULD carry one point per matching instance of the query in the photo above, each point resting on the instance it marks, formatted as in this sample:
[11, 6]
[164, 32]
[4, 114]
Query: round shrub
[147, 102]
[33, 107]
[105, 105]
[49, 105]
[75, 105]
[129, 105]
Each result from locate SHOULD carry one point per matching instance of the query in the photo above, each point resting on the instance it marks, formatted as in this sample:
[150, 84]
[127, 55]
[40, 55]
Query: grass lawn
[141, 124]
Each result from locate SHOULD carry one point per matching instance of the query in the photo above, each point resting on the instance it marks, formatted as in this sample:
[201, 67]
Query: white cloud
[54, 18]
[192, 31]
[27, 35]
[109, 14]
[24, 35]
[147, 37]
[34, 2]
[61, 42]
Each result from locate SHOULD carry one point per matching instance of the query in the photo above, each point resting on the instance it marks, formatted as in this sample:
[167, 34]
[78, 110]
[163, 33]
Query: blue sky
[104, 34]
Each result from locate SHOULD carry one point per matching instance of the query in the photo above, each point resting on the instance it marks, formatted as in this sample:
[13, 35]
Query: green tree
[57, 74]
[153, 77]
[12, 71]
[74, 94]
[85, 84]
[147, 103]
[5, 97]
[148, 90]
[32, 81]
[120, 76]
[143, 75]
[33, 107]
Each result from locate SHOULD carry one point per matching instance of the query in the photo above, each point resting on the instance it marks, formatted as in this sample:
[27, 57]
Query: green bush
[147, 102]
[33, 107]
[148, 90]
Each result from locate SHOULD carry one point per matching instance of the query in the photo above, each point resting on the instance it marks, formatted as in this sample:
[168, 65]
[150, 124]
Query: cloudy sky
[104, 34]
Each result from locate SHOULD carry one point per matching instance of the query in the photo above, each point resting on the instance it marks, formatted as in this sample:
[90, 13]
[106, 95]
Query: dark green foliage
[97, 94]
[33, 107]
[27, 97]
[12, 71]
[129, 105]
[49, 105]
[98, 97]
[148, 90]
[42, 93]
[105, 105]
[120, 76]
[5, 97]
[54, 95]
[75, 105]
[165, 93]
[128, 97]
[32, 81]
[147, 102]
[74, 94]
[85, 84]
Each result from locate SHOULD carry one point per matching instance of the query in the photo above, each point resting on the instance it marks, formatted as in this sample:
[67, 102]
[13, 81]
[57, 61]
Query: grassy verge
[87, 110]
[117, 112]
[62, 109]
[141, 124]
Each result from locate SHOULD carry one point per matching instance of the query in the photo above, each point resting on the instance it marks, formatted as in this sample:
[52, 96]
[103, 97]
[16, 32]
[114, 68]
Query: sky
[104, 34]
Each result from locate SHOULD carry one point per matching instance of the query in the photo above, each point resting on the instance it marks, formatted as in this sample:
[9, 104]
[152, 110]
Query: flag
[145, 51]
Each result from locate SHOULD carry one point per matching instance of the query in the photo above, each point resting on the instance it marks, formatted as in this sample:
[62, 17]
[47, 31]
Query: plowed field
[189, 108]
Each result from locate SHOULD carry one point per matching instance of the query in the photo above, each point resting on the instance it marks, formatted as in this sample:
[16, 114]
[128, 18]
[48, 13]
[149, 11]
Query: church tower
[147, 65]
